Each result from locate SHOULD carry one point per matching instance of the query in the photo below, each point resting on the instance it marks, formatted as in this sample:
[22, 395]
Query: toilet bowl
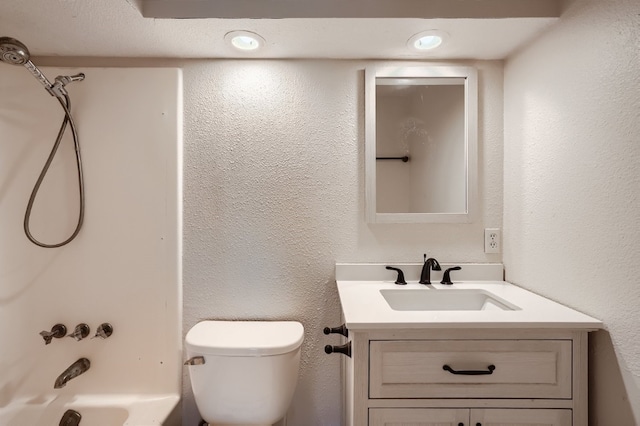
[243, 372]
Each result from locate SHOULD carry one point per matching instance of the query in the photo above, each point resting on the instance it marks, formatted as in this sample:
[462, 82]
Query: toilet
[243, 372]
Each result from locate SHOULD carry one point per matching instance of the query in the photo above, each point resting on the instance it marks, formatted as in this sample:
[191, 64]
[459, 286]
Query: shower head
[13, 52]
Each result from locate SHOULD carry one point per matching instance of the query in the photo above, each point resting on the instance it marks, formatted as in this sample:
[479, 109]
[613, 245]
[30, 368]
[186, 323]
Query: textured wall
[274, 196]
[572, 185]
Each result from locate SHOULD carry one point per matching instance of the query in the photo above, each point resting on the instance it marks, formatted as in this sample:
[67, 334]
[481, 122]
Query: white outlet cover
[492, 240]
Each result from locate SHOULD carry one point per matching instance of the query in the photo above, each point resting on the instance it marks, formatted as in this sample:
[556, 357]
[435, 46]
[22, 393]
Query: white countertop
[364, 307]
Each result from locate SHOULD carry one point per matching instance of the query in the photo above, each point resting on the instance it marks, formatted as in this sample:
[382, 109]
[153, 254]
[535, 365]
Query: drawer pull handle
[343, 349]
[339, 330]
[489, 370]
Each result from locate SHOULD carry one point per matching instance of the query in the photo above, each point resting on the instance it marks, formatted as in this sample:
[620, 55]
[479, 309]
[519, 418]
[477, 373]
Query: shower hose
[65, 102]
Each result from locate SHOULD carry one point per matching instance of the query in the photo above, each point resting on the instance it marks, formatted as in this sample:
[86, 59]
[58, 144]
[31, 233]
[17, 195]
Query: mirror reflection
[424, 165]
[421, 123]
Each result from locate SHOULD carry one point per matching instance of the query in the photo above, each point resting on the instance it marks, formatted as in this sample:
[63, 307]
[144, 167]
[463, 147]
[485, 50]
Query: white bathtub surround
[124, 267]
[96, 410]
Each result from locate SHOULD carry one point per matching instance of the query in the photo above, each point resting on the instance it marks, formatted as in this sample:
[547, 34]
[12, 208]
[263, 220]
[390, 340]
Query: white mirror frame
[471, 142]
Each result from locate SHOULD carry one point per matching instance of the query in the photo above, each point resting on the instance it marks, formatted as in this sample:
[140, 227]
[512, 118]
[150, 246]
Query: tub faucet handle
[57, 331]
[196, 360]
[81, 331]
[104, 330]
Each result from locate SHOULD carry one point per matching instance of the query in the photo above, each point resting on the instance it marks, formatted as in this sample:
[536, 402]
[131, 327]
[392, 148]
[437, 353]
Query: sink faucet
[73, 371]
[425, 275]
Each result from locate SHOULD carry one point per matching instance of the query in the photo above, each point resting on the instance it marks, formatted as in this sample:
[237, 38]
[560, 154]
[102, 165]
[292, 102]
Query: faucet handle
[81, 331]
[400, 280]
[104, 330]
[57, 331]
[446, 279]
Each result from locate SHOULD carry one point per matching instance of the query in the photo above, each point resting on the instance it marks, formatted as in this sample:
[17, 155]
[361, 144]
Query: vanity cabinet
[471, 377]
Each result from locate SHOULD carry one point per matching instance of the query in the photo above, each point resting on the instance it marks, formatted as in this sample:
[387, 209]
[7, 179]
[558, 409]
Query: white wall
[572, 185]
[274, 196]
[124, 266]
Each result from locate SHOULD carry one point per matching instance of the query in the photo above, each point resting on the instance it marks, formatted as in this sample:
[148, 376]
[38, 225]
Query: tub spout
[74, 370]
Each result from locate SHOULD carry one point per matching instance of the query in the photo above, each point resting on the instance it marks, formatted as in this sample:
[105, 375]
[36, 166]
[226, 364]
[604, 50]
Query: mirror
[421, 144]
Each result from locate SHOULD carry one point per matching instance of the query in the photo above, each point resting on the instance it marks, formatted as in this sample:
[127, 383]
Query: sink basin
[444, 300]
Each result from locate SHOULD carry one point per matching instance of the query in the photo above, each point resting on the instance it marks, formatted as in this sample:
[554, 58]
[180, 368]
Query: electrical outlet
[492, 242]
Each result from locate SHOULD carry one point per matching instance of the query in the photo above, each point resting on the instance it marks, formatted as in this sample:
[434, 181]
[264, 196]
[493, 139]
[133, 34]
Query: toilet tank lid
[244, 338]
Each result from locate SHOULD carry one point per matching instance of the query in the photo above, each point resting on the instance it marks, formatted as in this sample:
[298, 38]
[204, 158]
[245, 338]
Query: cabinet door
[520, 417]
[418, 417]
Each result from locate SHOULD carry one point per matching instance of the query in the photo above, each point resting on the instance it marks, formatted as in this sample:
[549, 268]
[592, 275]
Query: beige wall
[572, 185]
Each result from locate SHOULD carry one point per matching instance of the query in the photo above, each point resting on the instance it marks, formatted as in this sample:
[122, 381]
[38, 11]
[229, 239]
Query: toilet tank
[250, 369]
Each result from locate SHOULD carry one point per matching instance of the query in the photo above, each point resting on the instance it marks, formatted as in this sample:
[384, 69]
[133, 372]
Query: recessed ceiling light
[244, 40]
[427, 40]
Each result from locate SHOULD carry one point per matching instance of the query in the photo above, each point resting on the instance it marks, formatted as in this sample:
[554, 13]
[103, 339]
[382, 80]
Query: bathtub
[96, 410]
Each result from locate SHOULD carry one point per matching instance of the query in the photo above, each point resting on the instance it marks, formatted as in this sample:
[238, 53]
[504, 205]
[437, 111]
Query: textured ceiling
[116, 28]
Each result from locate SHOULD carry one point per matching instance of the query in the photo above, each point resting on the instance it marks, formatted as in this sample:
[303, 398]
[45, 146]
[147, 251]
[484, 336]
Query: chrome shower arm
[58, 90]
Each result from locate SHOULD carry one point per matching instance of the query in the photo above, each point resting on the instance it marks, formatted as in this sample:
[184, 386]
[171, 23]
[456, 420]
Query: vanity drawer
[523, 369]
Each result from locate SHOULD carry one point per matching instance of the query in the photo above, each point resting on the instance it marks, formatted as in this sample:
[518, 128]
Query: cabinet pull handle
[339, 330]
[489, 370]
[343, 349]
